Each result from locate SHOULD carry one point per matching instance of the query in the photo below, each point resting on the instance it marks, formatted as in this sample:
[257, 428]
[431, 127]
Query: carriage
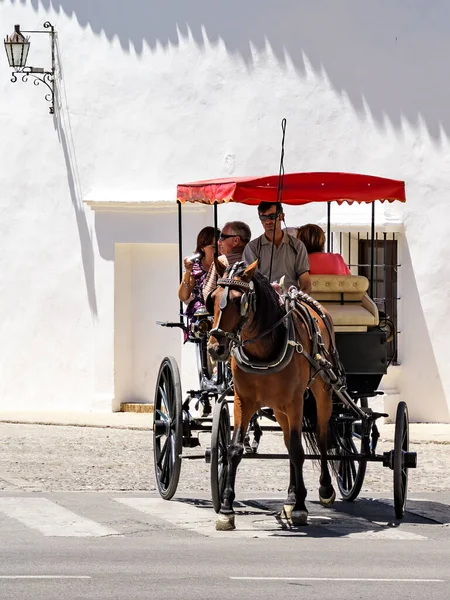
[360, 338]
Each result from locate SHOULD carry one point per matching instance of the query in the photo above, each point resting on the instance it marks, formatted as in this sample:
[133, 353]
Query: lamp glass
[17, 53]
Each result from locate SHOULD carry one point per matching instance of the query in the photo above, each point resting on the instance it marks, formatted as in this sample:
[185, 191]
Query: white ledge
[154, 201]
[363, 225]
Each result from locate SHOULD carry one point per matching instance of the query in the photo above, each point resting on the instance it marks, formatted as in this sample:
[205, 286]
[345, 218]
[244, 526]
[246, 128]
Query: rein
[331, 373]
[267, 331]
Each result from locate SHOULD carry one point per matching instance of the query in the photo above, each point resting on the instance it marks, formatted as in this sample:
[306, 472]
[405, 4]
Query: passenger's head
[206, 240]
[234, 236]
[313, 237]
[271, 215]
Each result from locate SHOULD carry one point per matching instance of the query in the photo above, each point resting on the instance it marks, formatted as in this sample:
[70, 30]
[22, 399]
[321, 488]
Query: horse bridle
[248, 300]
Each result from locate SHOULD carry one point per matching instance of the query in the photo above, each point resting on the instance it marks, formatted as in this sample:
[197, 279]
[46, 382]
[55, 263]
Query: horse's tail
[310, 432]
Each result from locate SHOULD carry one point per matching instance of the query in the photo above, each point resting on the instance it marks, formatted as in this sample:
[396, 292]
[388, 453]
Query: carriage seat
[345, 298]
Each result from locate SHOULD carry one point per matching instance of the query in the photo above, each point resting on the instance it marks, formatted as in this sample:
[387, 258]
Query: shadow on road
[374, 517]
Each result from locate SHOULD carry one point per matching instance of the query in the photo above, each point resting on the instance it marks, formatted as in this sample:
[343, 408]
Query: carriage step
[191, 442]
[356, 395]
[265, 456]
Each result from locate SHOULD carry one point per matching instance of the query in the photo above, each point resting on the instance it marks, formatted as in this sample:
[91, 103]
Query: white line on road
[179, 514]
[386, 534]
[51, 519]
[375, 580]
[192, 518]
[44, 577]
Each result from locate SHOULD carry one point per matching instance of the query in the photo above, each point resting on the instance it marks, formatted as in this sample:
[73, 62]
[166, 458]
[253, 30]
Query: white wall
[145, 291]
[152, 94]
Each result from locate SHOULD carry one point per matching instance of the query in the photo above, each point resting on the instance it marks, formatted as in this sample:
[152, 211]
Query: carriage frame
[363, 355]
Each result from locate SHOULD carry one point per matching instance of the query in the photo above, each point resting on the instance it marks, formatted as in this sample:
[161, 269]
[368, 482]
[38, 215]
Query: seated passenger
[233, 238]
[196, 270]
[320, 262]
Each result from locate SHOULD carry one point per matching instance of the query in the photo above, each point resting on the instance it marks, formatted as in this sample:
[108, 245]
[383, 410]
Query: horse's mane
[268, 307]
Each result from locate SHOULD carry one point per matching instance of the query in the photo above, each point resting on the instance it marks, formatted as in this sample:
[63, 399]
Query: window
[356, 248]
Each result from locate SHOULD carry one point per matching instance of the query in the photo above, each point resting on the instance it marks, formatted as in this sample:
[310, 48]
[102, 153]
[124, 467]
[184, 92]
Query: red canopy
[298, 188]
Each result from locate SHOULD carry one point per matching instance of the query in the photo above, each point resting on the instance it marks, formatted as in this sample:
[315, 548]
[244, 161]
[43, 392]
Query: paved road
[80, 519]
[53, 458]
[135, 545]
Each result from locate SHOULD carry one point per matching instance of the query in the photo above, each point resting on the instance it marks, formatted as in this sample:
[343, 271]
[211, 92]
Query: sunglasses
[225, 236]
[272, 217]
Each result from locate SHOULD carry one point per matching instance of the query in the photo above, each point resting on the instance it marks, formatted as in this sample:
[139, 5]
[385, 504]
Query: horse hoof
[225, 523]
[327, 501]
[286, 513]
[299, 517]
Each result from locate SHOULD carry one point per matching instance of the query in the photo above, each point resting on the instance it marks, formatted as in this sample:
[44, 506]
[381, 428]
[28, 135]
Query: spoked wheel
[400, 466]
[351, 473]
[220, 440]
[168, 428]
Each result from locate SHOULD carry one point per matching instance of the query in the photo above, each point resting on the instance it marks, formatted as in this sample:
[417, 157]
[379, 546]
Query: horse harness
[321, 360]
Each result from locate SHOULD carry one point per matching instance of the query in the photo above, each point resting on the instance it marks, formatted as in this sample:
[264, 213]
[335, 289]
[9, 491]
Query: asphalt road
[131, 546]
[80, 520]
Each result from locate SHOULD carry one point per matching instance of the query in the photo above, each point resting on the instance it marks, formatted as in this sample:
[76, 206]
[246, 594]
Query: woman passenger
[196, 269]
[321, 262]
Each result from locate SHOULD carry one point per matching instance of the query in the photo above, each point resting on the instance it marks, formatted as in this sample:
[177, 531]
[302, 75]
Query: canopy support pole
[372, 251]
[328, 226]
[180, 254]
[216, 240]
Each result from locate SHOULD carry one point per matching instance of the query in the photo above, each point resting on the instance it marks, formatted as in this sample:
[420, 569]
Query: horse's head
[231, 303]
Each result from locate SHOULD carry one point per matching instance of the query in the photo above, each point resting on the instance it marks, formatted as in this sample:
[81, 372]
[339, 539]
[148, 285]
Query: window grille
[356, 248]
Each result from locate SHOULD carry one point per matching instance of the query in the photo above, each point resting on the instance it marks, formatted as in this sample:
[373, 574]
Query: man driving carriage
[278, 253]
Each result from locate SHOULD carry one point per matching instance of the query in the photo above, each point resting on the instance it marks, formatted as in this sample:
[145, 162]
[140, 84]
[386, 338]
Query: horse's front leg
[242, 415]
[299, 514]
[289, 504]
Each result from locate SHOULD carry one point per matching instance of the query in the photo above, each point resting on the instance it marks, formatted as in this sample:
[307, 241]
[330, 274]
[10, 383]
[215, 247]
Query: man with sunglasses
[233, 238]
[278, 253]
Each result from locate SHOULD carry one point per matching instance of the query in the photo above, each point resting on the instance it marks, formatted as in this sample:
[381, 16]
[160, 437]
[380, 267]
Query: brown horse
[272, 367]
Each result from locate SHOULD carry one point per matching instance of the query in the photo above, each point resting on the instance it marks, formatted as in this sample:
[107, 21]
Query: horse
[273, 371]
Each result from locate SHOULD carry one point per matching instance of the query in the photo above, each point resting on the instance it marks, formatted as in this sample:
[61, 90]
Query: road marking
[192, 518]
[45, 577]
[386, 534]
[50, 519]
[179, 514]
[374, 580]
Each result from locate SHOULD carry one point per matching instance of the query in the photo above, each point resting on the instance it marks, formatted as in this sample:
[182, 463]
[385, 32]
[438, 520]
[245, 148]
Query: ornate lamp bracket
[39, 74]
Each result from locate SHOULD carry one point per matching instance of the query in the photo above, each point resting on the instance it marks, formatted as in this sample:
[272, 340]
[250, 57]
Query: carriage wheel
[168, 428]
[220, 440]
[401, 446]
[351, 473]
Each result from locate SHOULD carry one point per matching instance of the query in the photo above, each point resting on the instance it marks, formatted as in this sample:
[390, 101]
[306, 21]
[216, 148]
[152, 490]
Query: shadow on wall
[389, 58]
[61, 120]
[420, 384]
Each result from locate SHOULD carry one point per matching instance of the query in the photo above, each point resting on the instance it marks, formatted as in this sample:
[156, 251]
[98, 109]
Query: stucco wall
[152, 94]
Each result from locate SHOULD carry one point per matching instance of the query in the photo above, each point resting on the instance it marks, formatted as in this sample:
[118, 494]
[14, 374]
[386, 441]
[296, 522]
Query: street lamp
[17, 47]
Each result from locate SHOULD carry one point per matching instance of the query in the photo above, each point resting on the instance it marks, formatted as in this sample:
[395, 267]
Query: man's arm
[304, 283]
[249, 254]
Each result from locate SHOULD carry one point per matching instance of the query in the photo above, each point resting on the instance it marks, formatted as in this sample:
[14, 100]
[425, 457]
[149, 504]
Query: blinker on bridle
[229, 282]
[247, 298]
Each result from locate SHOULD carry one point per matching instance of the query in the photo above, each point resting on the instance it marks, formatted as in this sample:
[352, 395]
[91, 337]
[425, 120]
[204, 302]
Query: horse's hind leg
[242, 415]
[324, 405]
